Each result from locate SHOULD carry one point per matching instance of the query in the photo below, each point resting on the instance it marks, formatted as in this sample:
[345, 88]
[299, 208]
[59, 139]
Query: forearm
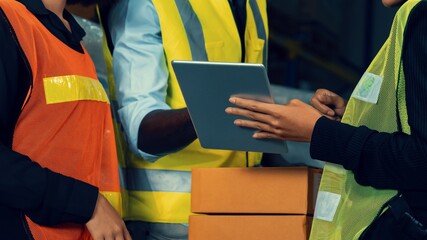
[380, 160]
[48, 198]
[163, 131]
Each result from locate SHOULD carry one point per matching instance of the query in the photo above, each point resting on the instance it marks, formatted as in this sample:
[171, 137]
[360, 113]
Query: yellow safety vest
[160, 191]
[344, 208]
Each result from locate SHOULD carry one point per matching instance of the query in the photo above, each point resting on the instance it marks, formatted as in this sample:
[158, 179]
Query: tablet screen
[207, 86]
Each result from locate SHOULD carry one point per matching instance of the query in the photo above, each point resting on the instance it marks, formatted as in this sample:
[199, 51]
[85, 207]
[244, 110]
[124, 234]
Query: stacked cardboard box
[253, 203]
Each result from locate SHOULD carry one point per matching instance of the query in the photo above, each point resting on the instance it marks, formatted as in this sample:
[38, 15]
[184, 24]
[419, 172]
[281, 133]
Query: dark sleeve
[48, 198]
[382, 160]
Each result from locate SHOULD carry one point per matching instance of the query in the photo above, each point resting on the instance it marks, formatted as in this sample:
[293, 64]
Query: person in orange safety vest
[58, 162]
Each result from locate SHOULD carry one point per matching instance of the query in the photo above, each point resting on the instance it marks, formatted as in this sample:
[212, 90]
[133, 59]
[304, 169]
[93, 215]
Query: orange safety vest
[65, 124]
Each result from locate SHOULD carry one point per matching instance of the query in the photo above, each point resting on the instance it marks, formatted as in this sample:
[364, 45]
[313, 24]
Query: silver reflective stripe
[262, 34]
[194, 30]
[122, 176]
[139, 179]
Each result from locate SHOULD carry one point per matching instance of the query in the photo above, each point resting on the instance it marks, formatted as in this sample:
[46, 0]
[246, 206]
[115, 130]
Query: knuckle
[251, 115]
[269, 135]
[116, 229]
[275, 123]
[253, 107]
[319, 91]
[294, 101]
[279, 132]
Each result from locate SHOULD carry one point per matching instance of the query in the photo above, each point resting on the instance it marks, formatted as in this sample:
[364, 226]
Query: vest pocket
[254, 51]
[215, 50]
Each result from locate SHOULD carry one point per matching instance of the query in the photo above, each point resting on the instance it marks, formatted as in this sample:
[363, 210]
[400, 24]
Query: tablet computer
[207, 86]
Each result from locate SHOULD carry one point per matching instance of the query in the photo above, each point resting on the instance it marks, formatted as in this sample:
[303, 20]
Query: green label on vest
[368, 88]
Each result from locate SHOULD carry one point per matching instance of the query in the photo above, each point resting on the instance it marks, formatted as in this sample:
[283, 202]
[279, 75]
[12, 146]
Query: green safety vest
[344, 208]
[160, 191]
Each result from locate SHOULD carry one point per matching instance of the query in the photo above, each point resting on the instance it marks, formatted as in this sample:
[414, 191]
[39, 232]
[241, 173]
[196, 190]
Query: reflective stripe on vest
[73, 88]
[158, 180]
[344, 208]
[262, 33]
[65, 124]
[193, 26]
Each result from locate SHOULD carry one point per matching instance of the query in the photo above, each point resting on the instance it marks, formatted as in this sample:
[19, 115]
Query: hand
[106, 223]
[293, 121]
[329, 104]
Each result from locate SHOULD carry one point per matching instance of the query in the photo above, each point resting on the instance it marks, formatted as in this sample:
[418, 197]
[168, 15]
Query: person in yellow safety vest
[147, 36]
[374, 186]
[59, 173]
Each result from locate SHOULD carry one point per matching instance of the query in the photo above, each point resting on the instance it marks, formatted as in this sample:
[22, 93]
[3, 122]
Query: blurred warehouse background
[317, 43]
[324, 43]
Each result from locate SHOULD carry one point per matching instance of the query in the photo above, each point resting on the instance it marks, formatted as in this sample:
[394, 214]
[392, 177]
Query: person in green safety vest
[374, 185]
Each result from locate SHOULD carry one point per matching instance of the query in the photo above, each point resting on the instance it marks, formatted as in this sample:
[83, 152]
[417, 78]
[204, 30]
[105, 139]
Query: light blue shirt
[140, 70]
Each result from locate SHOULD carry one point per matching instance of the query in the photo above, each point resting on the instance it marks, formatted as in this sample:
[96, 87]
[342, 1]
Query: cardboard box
[282, 190]
[249, 227]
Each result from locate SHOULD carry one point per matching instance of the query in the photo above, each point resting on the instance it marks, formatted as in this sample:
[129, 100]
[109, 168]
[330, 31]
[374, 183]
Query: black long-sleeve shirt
[48, 198]
[388, 160]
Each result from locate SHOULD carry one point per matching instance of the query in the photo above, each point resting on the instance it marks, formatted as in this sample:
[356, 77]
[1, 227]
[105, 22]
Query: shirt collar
[35, 6]
[77, 30]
